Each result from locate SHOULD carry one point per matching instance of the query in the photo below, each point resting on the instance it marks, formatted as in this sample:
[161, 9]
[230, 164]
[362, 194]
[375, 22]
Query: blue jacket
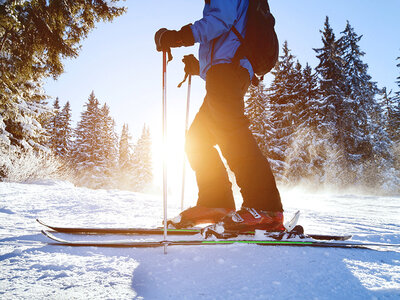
[218, 18]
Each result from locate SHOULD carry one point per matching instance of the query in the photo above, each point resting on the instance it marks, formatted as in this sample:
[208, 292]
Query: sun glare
[175, 160]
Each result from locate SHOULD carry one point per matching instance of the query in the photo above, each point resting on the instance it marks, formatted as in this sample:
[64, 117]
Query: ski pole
[186, 130]
[164, 108]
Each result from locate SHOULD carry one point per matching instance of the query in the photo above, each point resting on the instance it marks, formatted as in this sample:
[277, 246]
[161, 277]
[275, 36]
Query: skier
[221, 121]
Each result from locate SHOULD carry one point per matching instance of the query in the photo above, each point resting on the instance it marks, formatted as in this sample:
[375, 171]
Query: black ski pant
[221, 121]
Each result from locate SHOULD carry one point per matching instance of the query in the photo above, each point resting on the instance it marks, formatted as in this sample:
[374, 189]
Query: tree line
[35, 36]
[331, 124]
[93, 150]
[328, 124]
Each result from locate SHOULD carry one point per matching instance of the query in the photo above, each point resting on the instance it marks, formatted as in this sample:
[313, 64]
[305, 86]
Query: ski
[148, 231]
[154, 244]
[296, 232]
[120, 231]
[191, 231]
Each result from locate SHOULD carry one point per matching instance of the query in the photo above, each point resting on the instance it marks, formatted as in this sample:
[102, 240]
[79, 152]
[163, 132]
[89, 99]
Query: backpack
[260, 44]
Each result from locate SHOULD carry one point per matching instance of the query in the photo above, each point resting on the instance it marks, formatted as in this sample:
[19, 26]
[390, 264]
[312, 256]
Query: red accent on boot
[248, 219]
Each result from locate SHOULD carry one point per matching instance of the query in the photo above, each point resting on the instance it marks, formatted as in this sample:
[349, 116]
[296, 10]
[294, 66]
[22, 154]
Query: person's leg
[215, 198]
[215, 189]
[226, 86]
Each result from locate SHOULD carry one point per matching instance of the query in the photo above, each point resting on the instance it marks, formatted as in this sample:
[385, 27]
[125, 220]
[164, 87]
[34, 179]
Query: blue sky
[119, 62]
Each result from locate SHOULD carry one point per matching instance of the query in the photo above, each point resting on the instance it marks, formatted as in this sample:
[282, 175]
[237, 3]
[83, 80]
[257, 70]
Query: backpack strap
[241, 53]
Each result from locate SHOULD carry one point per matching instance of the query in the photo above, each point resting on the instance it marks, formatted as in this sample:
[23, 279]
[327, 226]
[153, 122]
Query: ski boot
[199, 215]
[248, 219]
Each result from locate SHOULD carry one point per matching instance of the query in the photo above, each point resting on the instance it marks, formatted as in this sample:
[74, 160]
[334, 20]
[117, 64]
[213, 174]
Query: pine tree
[385, 102]
[143, 175]
[22, 108]
[330, 75]
[309, 114]
[394, 120]
[109, 145]
[124, 150]
[398, 79]
[394, 127]
[95, 149]
[65, 142]
[381, 130]
[304, 156]
[53, 127]
[314, 136]
[87, 152]
[332, 107]
[125, 160]
[34, 37]
[359, 92]
[282, 95]
[256, 112]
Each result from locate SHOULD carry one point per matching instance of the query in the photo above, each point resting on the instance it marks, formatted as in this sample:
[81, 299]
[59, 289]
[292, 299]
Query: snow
[30, 268]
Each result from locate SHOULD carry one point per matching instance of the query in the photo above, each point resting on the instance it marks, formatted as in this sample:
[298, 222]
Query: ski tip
[42, 223]
[44, 233]
[52, 237]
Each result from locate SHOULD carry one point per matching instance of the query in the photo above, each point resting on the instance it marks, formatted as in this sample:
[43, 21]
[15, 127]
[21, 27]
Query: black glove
[192, 66]
[166, 39]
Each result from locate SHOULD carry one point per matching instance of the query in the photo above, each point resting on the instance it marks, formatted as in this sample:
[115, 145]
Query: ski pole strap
[170, 57]
[184, 79]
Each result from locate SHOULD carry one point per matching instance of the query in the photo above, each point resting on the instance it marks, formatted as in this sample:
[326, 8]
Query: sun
[176, 160]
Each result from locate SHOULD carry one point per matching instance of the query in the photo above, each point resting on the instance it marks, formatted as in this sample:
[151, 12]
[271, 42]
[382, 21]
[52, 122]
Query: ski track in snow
[30, 268]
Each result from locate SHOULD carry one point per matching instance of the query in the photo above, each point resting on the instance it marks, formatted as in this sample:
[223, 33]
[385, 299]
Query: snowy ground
[31, 269]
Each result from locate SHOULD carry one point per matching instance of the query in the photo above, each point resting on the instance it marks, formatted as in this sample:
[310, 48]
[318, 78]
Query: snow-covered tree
[331, 77]
[53, 127]
[125, 151]
[21, 111]
[65, 132]
[394, 126]
[125, 160]
[143, 174]
[379, 126]
[256, 112]
[282, 95]
[309, 96]
[398, 79]
[394, 118]
[360, 95]
[305, 155]
[95, 148]
[34, 37]
[87, 152]
[109, 144]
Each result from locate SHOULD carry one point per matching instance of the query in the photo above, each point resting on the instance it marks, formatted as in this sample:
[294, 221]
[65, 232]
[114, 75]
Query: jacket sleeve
[219, 19]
